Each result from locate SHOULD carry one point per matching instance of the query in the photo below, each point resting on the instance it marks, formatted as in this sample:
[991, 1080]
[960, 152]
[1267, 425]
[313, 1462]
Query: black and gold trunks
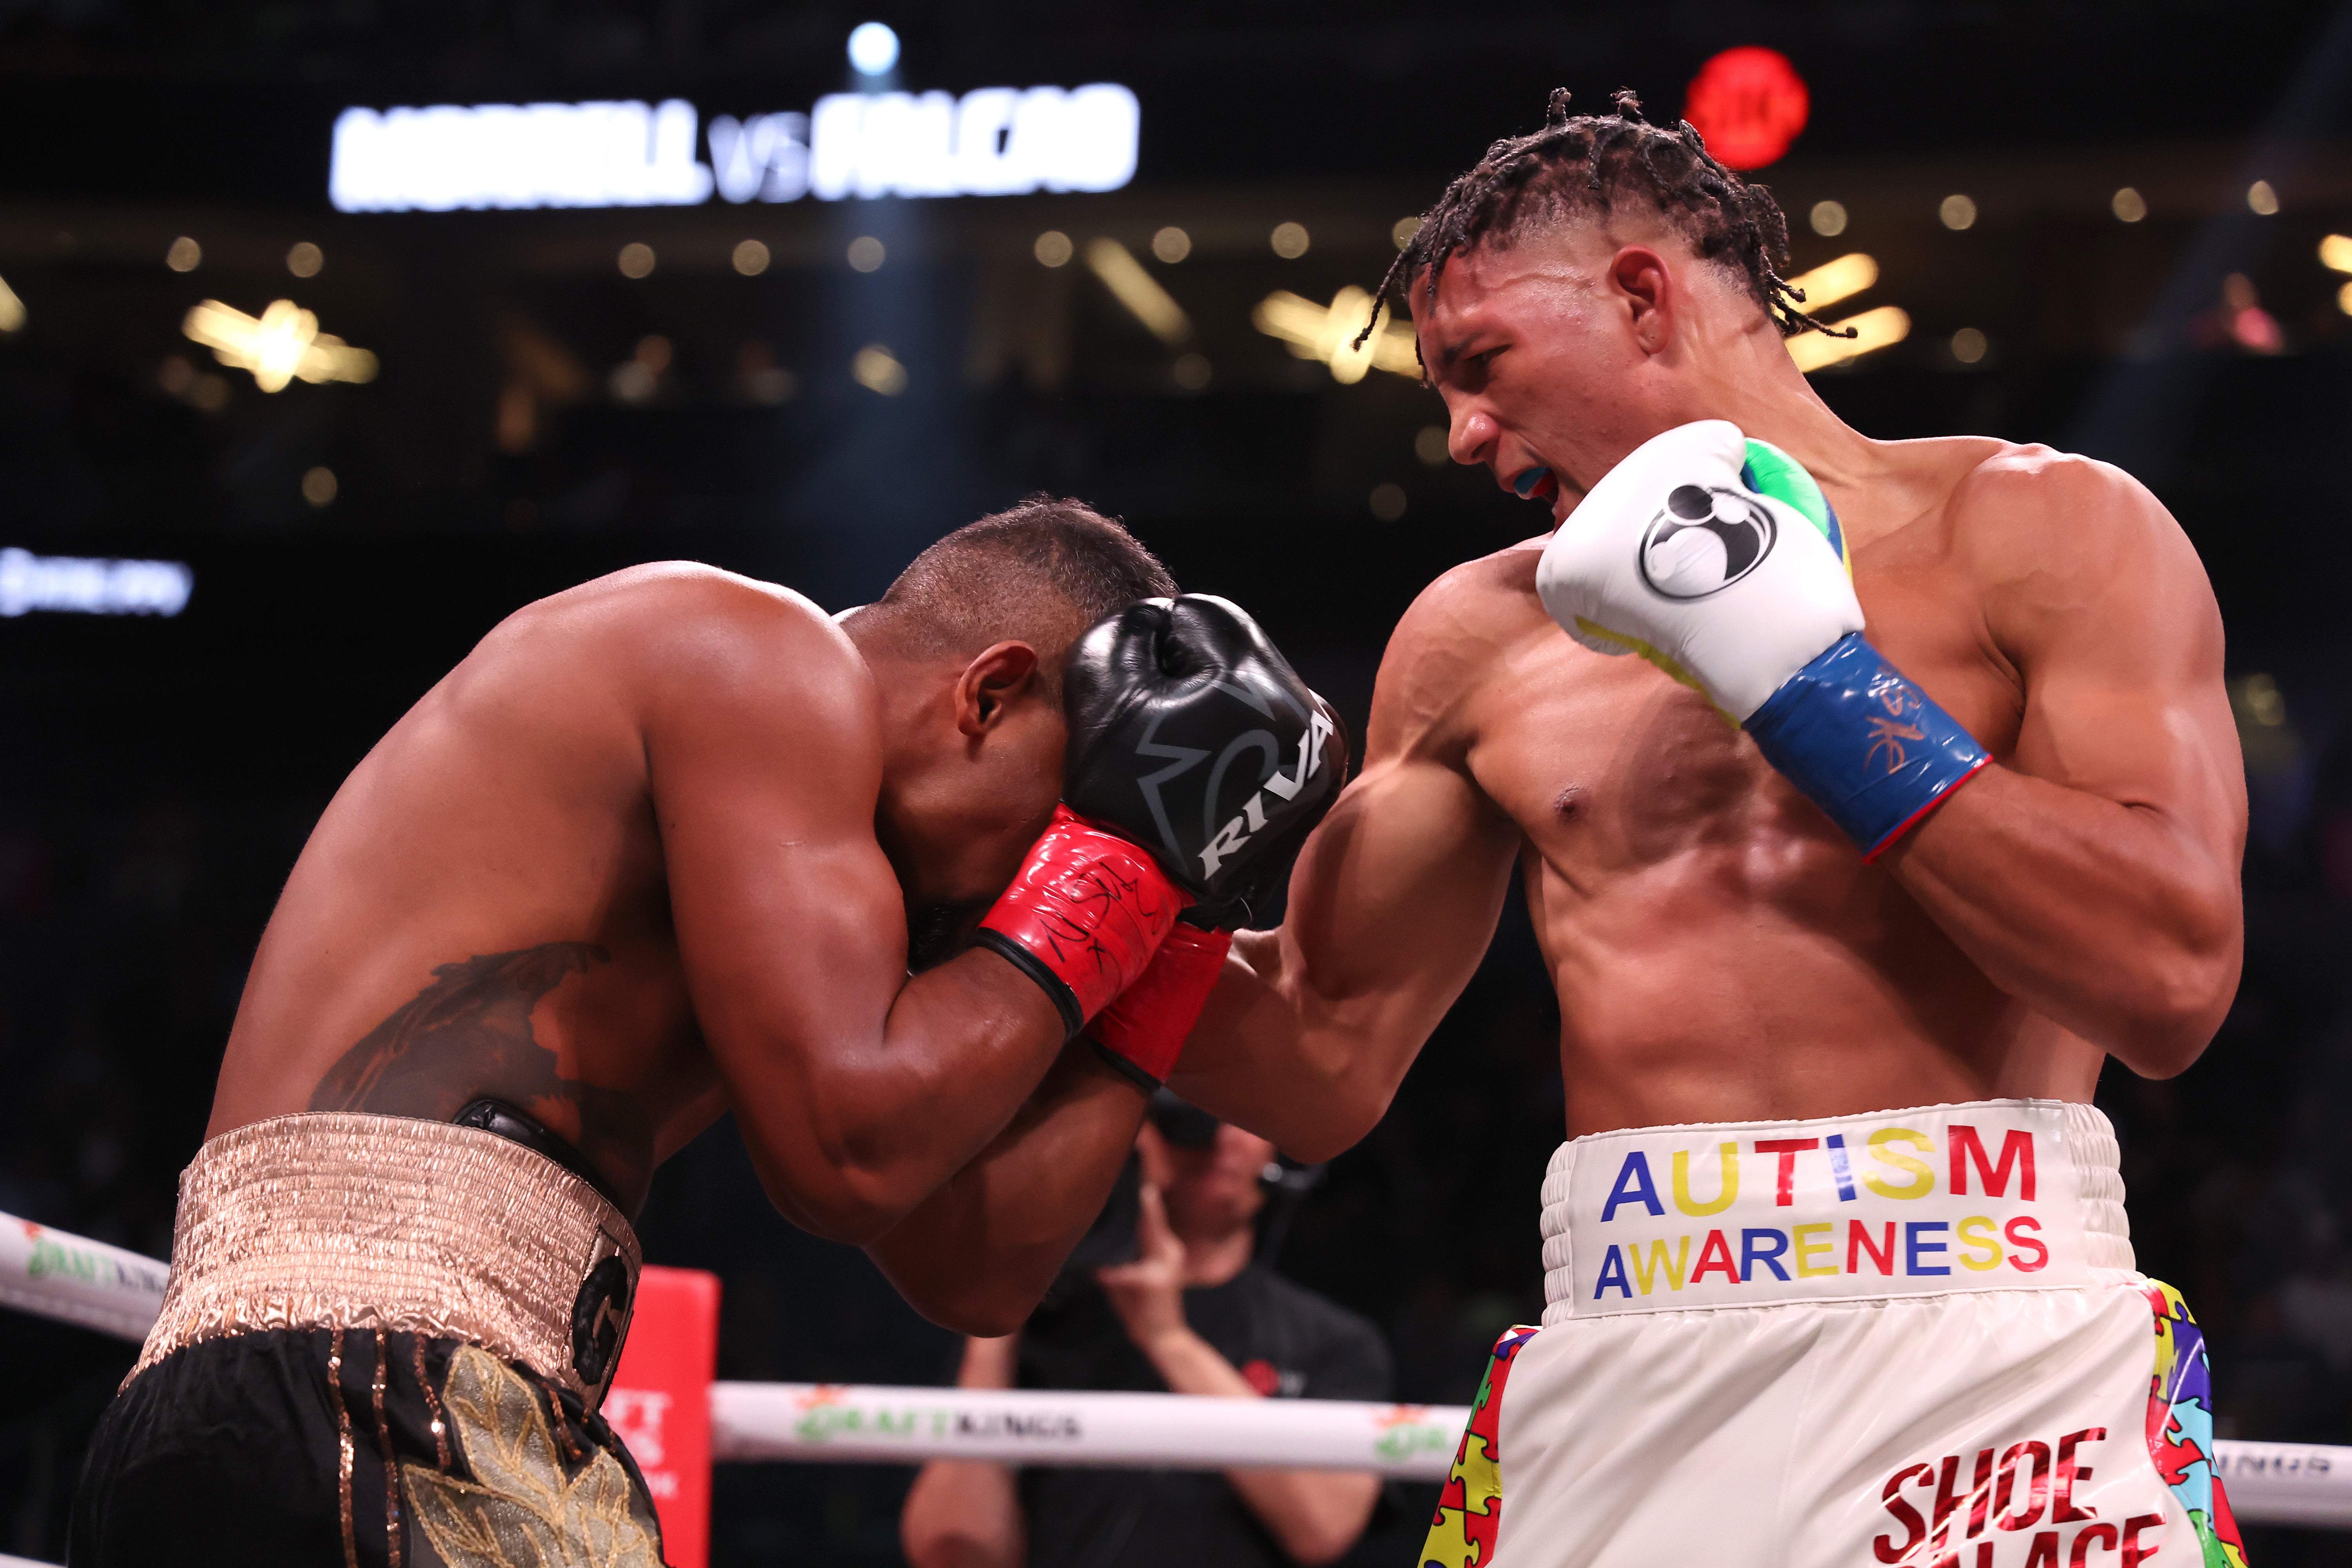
[374, 1447]
[384, 1343]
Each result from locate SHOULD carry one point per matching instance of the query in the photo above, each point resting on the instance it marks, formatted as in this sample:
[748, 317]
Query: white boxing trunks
[1909, 1337]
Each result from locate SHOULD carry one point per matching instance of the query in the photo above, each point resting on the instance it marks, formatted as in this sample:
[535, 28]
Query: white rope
[2287, 1483]
[2269, 1483]
[55, 1274]
[1024, 1426]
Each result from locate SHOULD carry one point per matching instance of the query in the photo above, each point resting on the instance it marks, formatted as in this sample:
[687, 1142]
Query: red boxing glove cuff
[1144, 1029]
[1082, 916]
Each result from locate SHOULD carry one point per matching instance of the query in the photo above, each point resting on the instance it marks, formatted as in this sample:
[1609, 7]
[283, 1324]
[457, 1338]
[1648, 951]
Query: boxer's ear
[1644, 285]
[999, 674]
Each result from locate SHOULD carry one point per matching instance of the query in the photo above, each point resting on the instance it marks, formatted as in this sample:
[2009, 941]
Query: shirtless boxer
[650, 854]
[1837, 1266]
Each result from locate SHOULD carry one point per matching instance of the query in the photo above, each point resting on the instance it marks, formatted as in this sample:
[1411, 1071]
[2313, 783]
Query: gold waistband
[342, 1221]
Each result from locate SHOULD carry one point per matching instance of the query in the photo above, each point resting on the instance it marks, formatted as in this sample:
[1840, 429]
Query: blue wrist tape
[1864, 744]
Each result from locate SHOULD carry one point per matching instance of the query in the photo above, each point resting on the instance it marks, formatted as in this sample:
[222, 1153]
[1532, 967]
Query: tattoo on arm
[469, 1033]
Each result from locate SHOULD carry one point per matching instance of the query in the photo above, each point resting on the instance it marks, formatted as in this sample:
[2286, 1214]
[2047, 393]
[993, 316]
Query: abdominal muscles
[1751, 968]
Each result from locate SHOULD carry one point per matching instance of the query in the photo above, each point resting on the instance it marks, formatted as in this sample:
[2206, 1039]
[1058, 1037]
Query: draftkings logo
[53, 1260]
[829, 1418]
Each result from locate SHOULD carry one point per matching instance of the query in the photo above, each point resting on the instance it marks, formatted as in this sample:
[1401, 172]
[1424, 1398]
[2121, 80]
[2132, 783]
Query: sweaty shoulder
[2029, 509]
[2050, 537]
[1449, 640]
[688, 641]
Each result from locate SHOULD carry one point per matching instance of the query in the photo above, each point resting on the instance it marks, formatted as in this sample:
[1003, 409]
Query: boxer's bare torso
[1719, 949]
[620, 869]
[483, 909]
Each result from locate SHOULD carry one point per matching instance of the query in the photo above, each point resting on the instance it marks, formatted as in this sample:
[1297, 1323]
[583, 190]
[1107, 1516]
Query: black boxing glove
[1190, 734]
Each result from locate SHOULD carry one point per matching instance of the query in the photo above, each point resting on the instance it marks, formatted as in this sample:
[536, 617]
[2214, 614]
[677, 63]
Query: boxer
[1919, 800]
[663, 847]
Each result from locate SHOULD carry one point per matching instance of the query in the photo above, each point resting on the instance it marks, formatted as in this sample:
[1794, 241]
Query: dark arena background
[2102, 225]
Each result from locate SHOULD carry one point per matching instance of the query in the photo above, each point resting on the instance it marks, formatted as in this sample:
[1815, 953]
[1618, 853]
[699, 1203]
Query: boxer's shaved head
[975, 729]
[1041, 573]
[1596, 163]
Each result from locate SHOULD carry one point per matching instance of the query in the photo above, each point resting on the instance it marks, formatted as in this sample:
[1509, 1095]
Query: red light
[1749, 103]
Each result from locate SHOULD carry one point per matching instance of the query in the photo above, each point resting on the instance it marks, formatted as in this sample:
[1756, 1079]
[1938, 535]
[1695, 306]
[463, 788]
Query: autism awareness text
[1843, 1208]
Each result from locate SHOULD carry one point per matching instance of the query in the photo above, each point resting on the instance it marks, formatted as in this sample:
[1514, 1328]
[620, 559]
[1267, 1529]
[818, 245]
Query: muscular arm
[1392, 903]
[977, 1255]
[2094, 873]
[858, 1090]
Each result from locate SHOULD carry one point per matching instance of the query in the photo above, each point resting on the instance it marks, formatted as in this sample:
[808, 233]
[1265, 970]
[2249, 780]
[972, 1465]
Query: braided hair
[1586, 163]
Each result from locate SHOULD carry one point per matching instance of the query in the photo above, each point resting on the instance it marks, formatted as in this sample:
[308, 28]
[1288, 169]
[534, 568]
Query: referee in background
[1193, 1313]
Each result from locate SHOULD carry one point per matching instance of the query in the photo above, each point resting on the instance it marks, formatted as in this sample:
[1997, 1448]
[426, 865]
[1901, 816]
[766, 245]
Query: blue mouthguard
[1526, 483]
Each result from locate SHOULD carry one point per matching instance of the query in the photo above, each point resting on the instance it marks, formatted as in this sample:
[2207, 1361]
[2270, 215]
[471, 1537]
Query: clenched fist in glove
[1198, 764]
[1717, 558]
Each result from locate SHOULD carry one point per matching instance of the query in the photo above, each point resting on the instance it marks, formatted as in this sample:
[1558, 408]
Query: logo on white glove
[1706, 538]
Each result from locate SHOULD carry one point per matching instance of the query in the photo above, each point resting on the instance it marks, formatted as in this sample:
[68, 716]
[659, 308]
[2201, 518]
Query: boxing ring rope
[879, 1424]
[54, 1274]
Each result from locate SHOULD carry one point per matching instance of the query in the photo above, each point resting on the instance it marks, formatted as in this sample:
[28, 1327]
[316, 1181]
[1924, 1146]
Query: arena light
[1834, 281]
[877, 369]
[1139, 291]
[283, 344]
[80, 586]
[1749, 103]
[2335, 252]
[1874, 330]
[873, 49]
[12, 311]
[1329, 333]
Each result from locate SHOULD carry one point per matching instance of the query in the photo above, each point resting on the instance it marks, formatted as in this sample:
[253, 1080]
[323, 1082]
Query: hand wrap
[1868, 747]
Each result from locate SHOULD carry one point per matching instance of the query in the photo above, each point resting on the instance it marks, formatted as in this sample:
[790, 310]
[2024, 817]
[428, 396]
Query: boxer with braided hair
[1922, 800]
[1594, 161]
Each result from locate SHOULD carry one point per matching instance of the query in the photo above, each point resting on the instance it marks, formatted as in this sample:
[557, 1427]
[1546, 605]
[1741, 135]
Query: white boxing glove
[1718, 559]
[1684, 554]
